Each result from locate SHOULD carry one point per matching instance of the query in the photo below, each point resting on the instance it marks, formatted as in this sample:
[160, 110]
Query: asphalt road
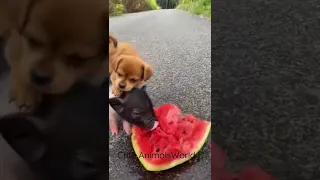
[266, 87]
[178, 46]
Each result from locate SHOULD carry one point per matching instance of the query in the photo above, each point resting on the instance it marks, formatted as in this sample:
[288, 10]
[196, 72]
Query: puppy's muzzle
[40, 78]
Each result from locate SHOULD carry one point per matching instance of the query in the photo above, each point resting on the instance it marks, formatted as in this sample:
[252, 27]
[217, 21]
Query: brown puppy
[119, 48]
[53, 44]
[129, 72]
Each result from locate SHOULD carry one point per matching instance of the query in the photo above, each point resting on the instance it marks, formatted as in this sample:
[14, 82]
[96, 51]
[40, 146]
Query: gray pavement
[178, 46]
[267, 91]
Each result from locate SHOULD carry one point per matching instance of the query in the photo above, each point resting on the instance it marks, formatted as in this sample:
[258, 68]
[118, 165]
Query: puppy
[54, 43]
[119, 48]
[63, 144]
[129, 72]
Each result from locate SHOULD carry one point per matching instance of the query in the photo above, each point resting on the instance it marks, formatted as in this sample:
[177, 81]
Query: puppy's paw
[127, 127]
[113, 127]
[26, 99]
[116, 92]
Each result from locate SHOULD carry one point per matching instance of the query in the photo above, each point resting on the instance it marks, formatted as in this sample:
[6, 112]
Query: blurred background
[197, 7]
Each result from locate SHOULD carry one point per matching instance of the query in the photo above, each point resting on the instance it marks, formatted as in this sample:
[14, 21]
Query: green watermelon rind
[150, 167]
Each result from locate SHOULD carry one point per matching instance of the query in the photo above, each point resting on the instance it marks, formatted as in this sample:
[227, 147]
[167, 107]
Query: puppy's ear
[23, 136]
[4, 21]
[117, 104]
[116, 62]
[113, 41]
[147, 72]
[19, 12]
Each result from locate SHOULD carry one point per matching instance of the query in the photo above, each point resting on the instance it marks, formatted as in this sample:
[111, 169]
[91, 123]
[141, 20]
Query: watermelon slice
[176, 139]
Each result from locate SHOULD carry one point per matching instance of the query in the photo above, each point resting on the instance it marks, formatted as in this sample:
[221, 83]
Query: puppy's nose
[121, 86]
[40, 77]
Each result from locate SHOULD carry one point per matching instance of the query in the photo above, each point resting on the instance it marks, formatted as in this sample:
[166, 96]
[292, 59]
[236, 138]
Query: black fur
[70, 142]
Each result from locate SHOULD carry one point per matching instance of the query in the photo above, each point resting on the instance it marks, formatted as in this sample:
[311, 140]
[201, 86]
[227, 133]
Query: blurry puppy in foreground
[51, 44]
[128, 70]
[60, 143]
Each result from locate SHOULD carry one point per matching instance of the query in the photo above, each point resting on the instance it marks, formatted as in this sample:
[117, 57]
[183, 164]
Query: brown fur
[65, 39]
[119, 48]
[130, 71]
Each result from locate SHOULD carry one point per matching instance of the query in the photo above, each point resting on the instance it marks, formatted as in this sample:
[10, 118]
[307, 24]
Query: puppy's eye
[76, 60]
[34, 43]
[135, 114]
[120, 75]
[133, 80]
[136, 111]
[76, 57]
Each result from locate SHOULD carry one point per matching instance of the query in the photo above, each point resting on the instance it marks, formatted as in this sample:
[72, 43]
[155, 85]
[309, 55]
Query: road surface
[266, 96]
[178, 46]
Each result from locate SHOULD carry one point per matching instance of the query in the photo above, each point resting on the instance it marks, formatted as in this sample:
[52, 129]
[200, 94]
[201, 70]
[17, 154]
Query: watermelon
[176, 139]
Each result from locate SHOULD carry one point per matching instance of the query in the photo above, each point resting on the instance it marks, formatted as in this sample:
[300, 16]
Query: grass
[198, 7]
[153, 4]
[116, 8]
[119, 10]
[120, 7]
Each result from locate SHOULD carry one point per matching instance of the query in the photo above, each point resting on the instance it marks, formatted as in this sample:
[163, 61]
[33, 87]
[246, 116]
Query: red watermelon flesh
[176, 139]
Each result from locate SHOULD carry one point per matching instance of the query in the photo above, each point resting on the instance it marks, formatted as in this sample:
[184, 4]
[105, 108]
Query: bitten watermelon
[176, 139]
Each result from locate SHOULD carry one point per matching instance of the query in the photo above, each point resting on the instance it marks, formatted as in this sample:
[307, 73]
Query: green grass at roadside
[153, 4]
[120, 7]
[117, 10]
[198, 7]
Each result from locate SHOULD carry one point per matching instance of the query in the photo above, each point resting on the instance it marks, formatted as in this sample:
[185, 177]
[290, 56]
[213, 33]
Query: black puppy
[136, 108]
[67, 140]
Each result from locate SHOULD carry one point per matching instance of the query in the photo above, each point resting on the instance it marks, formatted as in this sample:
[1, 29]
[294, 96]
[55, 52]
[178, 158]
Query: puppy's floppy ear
[4, 21]
[147, 72]
[23, 136]
[113, 41]
[117, 104]
[19, 12]
[116, 62]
